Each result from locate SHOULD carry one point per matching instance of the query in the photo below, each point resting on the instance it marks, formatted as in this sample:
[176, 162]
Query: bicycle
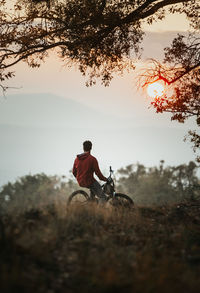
[81, 197]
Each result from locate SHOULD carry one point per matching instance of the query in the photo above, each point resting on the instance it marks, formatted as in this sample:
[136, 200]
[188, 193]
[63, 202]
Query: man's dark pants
[97, 190]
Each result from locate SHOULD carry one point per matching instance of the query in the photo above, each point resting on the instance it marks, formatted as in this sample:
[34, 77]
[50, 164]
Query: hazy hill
[47, 110]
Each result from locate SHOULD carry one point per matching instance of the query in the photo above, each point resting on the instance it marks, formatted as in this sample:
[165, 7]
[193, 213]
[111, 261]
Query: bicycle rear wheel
[78, 198]
[121, 200]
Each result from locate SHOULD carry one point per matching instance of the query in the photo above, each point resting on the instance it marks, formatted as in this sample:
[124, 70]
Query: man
[85, 165]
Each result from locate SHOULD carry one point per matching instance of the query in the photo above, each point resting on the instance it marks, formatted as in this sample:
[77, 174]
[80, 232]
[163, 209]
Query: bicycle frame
[111, 185]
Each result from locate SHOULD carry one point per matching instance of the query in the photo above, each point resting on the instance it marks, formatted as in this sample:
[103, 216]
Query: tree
[185, 181]
[35, 191]
[160, 185]
[30, 186]
[180, 71]
[101, 37]
[130, 178]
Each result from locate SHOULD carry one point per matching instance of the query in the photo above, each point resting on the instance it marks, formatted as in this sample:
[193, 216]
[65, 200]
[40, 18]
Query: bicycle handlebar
[111, 171]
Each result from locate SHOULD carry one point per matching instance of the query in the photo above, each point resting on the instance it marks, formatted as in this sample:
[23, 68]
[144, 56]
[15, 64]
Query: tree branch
[34, 52]
[136, 14]
[184, 73]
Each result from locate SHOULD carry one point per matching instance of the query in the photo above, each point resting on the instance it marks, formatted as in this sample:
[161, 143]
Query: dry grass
[93, 249]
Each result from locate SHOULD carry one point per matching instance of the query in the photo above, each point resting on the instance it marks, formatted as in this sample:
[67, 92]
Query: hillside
[47, 110]
[101, 250]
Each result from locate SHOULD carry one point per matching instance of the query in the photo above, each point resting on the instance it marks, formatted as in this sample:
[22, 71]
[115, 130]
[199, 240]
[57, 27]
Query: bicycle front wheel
[121, 200]
[78, 198]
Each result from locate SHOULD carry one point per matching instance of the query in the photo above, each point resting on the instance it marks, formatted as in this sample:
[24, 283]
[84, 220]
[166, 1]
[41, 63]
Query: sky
[44, 122]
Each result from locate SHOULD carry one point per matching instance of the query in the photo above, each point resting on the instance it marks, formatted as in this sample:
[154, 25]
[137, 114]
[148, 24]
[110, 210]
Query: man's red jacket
[85, 165]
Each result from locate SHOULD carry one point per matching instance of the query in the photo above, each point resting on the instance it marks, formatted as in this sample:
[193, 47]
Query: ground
[94, 249]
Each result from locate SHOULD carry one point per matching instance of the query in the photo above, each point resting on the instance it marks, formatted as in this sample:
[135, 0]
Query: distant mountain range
[47, 110]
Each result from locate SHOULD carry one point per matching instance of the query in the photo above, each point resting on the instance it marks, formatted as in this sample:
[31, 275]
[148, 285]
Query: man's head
[87, 146]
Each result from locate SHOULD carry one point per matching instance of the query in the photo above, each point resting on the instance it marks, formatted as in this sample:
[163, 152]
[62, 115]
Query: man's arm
[98, 172]
[74, 170]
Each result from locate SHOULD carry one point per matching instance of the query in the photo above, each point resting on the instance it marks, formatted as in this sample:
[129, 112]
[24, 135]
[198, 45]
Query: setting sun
[155, 89]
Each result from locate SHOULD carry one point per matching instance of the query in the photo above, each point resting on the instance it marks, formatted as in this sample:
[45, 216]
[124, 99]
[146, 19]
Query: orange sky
[172, 22]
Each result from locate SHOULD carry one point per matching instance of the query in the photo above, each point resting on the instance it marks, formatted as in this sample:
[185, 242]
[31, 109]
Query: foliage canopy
[102, 38]
[160, 185]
